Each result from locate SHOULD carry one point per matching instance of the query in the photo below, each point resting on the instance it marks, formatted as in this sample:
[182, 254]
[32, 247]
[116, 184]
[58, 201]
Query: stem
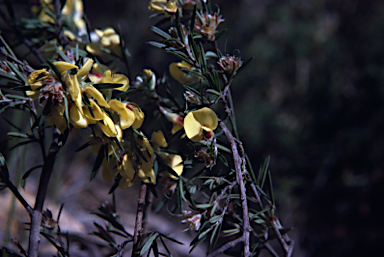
[239, 177]
[41, 193]
[139, 220]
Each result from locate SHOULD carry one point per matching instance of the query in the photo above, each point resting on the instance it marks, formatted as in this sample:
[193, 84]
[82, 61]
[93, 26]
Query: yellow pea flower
[180, 75]
[200, 124]
[64, 66]
[35, 79]
[74, 90]
[76, 118]
[176, 119]
[117, 79]
[98, 114]
[127, 116]
[158, 139]
[108, 127]
[56, 117]
[97, 95]
[139, 115]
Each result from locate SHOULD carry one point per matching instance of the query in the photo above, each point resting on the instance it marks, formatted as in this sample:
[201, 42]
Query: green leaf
[9, 50]
[244, 65]
[98, 161]
[157, 44]
[55, 70]
[203, 206]
[220, 34]
[101, 86]
[160, 204]
[171, 239]
[160, 32]
[180, 55]
[263, 172]
[9, 76]
[215, 235]
[16, 71]
[87, 144]
[214, 219]
[17, 134]
[62, 55]
[211, 54]
[148, 243]
[27, 173]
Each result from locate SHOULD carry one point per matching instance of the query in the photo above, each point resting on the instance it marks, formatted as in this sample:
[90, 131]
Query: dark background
[312, 99]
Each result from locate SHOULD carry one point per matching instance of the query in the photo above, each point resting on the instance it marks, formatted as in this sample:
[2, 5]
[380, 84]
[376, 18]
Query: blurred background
[312, 99]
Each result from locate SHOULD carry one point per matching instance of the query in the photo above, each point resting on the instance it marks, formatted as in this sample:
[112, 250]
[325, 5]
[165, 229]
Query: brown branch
[227, 246]
[239, 177]
[41, 193]
[139, 220]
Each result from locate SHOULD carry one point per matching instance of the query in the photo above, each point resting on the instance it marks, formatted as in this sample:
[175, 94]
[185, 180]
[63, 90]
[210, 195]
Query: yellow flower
[127, 172]
[77, 118]
[35, 79]
[139, 114]
[56, 117]
[107, 39]
[107, 126]
[116, 79]
[74, 90]
[174, 161]
[83, 72]
[108, 169]
[180, 75]
[64, 66]
[98, 114]
[146, 172]
[97, 95]
[176, 119]
[127, 116]
[163, 6]
[200, 124]
[158, 139]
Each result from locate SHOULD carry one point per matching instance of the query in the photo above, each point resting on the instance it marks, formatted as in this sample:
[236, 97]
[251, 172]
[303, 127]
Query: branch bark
[243, 196]
[139, 220]
[45, 176]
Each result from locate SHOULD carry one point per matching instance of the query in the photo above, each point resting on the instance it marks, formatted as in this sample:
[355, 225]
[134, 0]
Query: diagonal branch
[239, 177]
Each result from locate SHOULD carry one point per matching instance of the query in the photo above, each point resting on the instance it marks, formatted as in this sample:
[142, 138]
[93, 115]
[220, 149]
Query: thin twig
[139, 220]
[227, 246]
[41, 193]
[239, 177]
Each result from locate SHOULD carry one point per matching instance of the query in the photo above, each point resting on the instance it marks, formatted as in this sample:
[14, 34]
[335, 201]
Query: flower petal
[76, 118]
[97, 95]
[64, 66]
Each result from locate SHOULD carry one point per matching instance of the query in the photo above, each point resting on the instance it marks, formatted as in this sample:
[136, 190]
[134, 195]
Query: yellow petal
[206, 117]
[193, 128]
[76, 118]
[98, 114]
[125, 183]
[75, 92]
[86, 68]
[32, 94]
[127, 117]
[64, 66]
[97, 95]
[108, 127]
[176, 163]
[121, 79]
[108, 170]
[139, 115]
[56, 118]
[126, 168]
[158, 138]
[94, 49]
